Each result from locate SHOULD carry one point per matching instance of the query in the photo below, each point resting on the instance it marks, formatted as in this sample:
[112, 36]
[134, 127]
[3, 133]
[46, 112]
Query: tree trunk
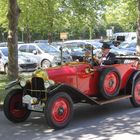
[13, 15]
[138, 29]
[90, 32]
[49, 38]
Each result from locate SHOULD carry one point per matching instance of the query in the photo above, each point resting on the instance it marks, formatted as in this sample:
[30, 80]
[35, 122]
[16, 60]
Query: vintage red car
[54, 91]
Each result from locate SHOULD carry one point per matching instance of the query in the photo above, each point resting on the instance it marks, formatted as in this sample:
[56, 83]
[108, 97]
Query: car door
[34, 51]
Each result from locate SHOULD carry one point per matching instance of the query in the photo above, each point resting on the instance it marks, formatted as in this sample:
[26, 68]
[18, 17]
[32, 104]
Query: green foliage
[3, 13]
[3, 83]
[78, 17]
[123, 13]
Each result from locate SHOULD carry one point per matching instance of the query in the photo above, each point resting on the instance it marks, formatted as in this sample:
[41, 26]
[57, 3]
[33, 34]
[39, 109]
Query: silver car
[25, 63]
[47, 55]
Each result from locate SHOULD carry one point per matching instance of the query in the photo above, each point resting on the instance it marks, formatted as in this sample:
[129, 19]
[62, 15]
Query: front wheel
[135, 99]
[45, 64]
[59, 110]
[13, 109]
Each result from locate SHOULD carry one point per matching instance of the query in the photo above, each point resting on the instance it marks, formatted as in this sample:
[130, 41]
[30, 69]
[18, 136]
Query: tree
[138, 29]
[123, 13]
[13, 15]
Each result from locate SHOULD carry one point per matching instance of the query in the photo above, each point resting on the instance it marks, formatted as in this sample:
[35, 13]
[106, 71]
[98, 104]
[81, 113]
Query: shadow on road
[89, 122]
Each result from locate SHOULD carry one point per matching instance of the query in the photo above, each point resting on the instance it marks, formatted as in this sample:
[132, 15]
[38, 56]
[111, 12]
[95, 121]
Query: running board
[98, 101]
[118, 98]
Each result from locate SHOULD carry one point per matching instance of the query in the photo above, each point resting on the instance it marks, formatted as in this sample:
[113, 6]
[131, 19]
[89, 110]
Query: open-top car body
[54, 91]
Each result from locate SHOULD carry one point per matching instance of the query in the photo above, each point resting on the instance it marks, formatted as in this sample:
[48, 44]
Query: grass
[3, 83]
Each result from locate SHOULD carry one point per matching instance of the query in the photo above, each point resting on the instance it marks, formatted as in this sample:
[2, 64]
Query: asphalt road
[115, 121]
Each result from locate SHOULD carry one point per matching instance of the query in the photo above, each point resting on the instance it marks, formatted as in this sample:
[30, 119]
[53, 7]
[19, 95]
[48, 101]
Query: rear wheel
[59, 110]
[135, 99]
[109, 83]
[13, 108]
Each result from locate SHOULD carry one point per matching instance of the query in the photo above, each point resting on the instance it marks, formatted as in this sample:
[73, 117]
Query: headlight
[22, 82]
[46, 84]
[57, 58]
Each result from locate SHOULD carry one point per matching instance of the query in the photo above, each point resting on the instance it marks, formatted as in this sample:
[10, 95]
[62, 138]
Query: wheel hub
[60, 111]
[111, 82]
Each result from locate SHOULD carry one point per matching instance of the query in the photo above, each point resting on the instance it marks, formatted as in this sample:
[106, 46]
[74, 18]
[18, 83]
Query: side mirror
[35, 52]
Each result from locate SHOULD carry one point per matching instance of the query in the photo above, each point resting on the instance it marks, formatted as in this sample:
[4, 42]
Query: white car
[25, 63]
[38, 51]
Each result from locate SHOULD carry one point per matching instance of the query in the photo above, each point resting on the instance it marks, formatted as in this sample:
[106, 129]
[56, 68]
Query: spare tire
[109, 83]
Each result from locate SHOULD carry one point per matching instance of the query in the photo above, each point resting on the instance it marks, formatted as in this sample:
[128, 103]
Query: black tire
[13, 109]
[58, 116]
[109, 83]
[135, 99]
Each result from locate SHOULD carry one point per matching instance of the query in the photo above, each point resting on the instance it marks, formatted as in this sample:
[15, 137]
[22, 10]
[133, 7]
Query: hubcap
[16, 108]
[60, 110]
[111, 83]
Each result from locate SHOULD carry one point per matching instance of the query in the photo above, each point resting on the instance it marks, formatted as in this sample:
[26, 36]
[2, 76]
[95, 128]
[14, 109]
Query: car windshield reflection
[5, 51]
[47, 48]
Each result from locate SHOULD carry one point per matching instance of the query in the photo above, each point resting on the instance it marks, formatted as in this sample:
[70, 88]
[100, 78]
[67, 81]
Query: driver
[105, 57]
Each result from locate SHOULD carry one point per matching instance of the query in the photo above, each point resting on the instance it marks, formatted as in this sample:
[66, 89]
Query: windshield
[5, 51]
[47, 48]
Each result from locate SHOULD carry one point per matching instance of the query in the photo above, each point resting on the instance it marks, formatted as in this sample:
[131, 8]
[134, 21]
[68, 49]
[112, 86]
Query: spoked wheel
[59, 110]
[13, 108]
[45, 64]
[109, 84]
[135, 99]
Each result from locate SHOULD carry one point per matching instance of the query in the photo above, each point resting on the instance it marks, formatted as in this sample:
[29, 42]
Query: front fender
[12, 84]
[74, 93]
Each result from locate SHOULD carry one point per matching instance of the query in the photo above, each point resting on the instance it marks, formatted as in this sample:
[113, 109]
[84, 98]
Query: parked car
[41, 41]
[78, 48]
[25, 63]
[4, 44]
[130, 46]
[1, 62]
[38, 50]
[55, 91]
[66, 57]
[124, 36]
[122, 52]
[57, 45]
